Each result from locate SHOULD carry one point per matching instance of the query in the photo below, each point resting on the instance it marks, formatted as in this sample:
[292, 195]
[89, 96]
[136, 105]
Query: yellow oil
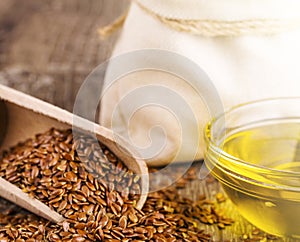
[264, 198]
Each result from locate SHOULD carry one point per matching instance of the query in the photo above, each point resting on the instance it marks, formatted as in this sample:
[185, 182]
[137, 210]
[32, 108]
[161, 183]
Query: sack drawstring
[212, 28]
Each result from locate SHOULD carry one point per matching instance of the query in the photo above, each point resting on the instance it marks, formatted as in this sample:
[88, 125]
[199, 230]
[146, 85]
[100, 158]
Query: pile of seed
[258, 235]
[86, 183]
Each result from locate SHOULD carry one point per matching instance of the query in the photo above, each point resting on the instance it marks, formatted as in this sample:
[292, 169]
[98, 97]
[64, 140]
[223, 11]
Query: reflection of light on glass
[270, 204]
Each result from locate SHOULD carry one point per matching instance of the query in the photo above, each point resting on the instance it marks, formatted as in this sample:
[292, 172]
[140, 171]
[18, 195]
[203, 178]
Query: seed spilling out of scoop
[96, 193]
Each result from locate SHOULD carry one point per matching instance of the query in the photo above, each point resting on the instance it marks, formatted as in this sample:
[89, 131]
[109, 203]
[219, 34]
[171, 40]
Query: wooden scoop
[23, 116]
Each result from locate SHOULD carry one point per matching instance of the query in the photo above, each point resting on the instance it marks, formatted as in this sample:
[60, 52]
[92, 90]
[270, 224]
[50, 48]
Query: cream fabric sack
[249, 49]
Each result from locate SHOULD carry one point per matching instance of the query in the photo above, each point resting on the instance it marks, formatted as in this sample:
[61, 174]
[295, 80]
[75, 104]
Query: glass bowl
[254, 151]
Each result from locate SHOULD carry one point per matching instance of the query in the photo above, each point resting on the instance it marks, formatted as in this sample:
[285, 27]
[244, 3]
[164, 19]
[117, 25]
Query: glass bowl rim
[221, 152]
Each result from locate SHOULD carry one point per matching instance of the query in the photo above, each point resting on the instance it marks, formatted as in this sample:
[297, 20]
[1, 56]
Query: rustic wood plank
[47, 48]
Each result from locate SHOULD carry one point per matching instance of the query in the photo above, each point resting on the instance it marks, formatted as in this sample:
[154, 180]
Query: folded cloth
[248, 49]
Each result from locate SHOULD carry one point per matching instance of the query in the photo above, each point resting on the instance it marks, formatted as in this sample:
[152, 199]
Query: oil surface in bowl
[274, 207]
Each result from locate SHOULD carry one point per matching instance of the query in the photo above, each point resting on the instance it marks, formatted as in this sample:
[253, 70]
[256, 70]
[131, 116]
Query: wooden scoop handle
[28, 116]
[17, 196]
[3, 121]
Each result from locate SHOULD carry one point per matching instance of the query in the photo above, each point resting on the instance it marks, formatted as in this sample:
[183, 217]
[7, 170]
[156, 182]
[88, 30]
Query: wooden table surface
[47, 49]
